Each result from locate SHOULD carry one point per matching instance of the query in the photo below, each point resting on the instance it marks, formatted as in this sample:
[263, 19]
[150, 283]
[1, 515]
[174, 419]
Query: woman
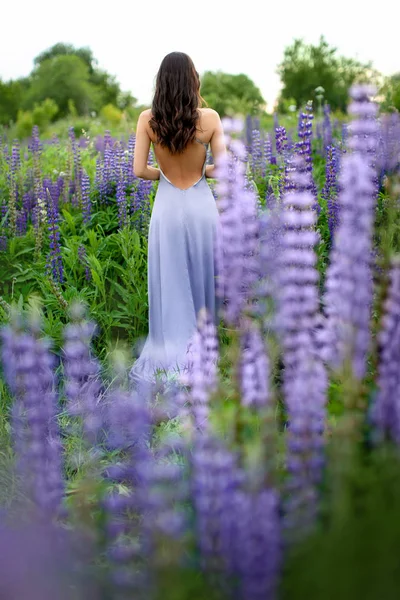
[183, 225]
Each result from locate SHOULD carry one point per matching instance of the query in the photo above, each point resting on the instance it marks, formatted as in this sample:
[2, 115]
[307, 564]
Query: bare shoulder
[145, 115]
[210, 114]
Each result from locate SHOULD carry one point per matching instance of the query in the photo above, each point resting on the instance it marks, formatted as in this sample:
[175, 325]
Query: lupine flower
[83, 385]
[155, 492]
[256, 152]
[386, 409]
[54, 259]
[3, 243]
[86, 204]
[280, 140]
[298, 301]
[201, 375]
[349, 288]
[330, 190]
[305, 393]
[304, 146]
[214, 479]
[83, 259]
[238, 237]
[327, 127]
[42, 561]
[258, 544]
[253, 368]
[28, 369]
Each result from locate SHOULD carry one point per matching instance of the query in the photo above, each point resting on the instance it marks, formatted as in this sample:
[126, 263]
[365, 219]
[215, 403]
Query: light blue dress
[181, 274]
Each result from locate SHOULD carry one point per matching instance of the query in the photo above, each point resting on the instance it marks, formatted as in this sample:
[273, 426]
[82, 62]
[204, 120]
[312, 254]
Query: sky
[130, 38]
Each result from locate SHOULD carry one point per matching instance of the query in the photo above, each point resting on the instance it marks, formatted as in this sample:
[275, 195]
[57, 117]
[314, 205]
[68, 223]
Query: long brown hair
[176, 102]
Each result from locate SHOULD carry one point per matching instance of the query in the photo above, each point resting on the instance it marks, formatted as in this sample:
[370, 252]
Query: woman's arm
[218, 147]
[142, 147]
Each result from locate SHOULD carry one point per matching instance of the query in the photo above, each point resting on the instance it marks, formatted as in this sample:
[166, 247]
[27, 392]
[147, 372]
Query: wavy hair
[176, 102]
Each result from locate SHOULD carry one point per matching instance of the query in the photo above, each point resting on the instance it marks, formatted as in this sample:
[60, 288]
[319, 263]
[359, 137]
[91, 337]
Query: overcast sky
[130, 38]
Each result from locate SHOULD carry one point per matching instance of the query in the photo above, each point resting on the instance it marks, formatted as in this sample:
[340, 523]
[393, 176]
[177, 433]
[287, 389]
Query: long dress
[181, 274]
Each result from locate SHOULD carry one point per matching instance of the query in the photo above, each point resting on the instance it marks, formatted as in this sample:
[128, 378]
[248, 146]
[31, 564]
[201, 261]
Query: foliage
[111, 114]
[231, 94]
[306, 67]
[391, 93]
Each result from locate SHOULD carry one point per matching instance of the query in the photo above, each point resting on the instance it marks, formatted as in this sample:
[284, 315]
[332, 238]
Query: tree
[11, 94]
[107, 89]
[231, 94]
[391, 93]
[306, 67]
[63, 78]
[62, 49]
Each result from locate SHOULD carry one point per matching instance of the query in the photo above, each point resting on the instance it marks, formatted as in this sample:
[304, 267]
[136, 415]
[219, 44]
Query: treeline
[67, 81]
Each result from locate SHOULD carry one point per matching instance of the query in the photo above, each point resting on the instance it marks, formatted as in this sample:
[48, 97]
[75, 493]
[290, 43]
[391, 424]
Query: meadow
[270, 469]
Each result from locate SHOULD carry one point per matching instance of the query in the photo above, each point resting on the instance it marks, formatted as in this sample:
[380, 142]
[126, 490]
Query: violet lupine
[258, 543]
[3, 243]
[214, 479]
[330, 191]
[304, 146]
[82, 255]
[254, 368]
[297, 300]
[327, 127]
[281, 140]
[130, 176]
[54, 259]
[268, 149]
[237, 240]
[201, 375]
[305, 379]
[305, 393]
[349, 286]
[43, 561]
[155, 492]
[28, 367]
[256, 152]
[86, 203]
[82, 373]
[386, 408]
[140, 205]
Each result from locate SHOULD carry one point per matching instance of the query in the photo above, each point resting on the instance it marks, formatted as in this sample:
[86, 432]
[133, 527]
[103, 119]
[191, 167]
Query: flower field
[270, 469]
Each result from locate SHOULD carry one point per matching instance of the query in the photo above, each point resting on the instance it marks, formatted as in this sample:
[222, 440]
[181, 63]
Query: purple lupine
[215, 477]
[304, 147]
[83, 260]
[268, 149]
[349, 285]
[327, 127]
[281, 140]
[28, 367]
[201, 375]
[330, 190]
[155, 491]
[298, 300]
[386, 408]
[130, 176]
[258, 543]
[42, 561]
[86, 203]
[305, 392]
[54, 259]
[82, 373]
[254, 368]
[256, 152]
[248, 131]
[237, 240]
[3, 243]
[140, 205]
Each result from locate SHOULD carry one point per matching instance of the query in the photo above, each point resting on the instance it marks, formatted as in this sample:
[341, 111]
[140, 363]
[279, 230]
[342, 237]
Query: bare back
[183, 170]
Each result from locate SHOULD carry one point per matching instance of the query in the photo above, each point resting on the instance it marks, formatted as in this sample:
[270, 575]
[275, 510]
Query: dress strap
[205, 144]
